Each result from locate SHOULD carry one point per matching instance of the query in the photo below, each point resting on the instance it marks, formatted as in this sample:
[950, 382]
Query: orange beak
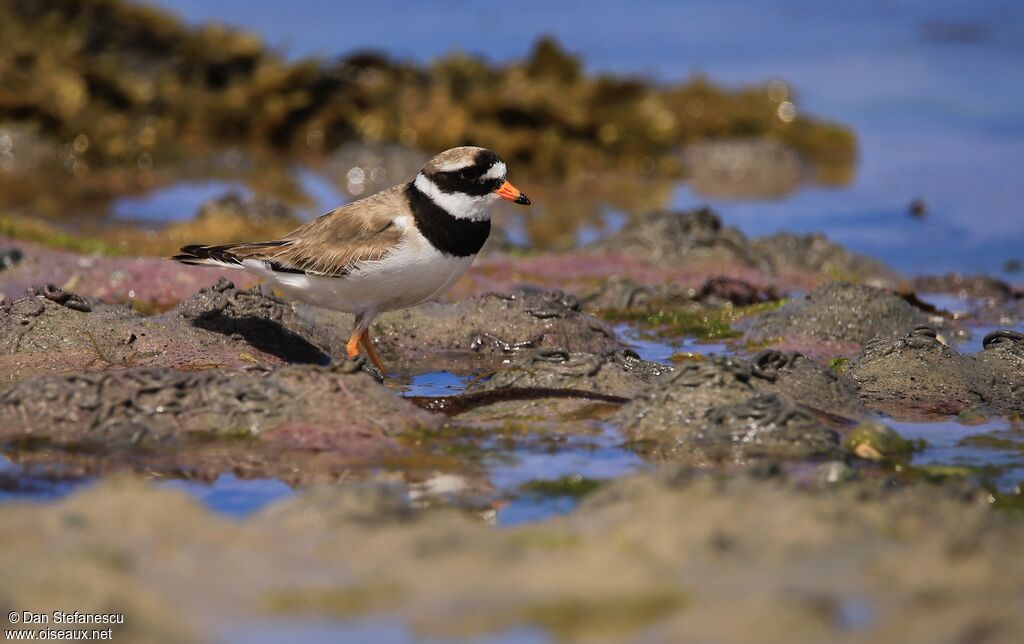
[511, 193]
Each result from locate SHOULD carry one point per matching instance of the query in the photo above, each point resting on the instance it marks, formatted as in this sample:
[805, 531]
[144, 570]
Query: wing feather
[330, 245]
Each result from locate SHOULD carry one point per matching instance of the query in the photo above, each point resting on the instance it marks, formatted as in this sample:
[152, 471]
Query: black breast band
[450, 235]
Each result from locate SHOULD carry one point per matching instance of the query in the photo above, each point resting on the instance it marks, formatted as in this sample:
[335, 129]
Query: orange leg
[370, 352]
[353, 343]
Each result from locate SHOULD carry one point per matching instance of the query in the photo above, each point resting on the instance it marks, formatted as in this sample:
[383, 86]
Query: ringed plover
[391, 250]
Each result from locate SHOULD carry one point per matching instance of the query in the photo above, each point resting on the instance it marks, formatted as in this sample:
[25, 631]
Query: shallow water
[934, 90]
[655, 348]
[949, 444]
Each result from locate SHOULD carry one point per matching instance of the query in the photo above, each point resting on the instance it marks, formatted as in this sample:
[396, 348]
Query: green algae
[703, 324]
[1011, 503]
[574, 617]
[877, 442]
[992, 441]
[40, 232]
[839, 365]
[574, 486]
[342, 602]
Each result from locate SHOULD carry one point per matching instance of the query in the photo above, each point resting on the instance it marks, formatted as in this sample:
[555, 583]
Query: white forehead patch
[497, 171]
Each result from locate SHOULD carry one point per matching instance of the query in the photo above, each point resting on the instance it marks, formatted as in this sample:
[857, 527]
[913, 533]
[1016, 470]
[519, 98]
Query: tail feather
[209, 256]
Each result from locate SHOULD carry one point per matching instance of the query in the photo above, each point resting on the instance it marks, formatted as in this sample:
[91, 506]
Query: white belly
[413, 273]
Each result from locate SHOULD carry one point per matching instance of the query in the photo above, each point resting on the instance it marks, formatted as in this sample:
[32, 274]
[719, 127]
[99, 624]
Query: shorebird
[392, 250]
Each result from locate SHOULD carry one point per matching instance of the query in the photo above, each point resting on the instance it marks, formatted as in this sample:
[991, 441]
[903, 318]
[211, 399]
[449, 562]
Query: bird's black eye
[464, 175]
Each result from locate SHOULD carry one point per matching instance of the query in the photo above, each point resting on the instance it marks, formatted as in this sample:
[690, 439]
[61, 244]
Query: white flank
[412, 273]
[457, 204]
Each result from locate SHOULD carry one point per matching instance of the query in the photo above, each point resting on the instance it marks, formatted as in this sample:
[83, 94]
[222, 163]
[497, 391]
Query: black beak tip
[522, 200]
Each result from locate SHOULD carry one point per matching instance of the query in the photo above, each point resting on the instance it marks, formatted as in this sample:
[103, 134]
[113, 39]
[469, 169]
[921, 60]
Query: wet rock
[709, 412]
[486, 330]
[56, 294]
[999, 370]
[913, 374]
[964, 286]
[621, 293]
[264, 321]
[764, 425]
[620, 373]
[919, 374]
[817, 254]
[720, 291]
[875, 442]
[148, 407]
[684, 237]
[835, 319]
[51, 330]
[812, 386]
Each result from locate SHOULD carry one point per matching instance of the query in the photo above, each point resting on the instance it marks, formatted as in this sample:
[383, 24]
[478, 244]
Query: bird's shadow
[269, 336]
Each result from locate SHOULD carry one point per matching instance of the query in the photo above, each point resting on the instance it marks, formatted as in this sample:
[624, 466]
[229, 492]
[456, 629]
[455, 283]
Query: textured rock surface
[806, 383]
[684, 237]
[150, 407]
[50, 330]
[919, 374]
[620, 373]
[835, 319]
[708, 411]
[817, 254]
[483, 331]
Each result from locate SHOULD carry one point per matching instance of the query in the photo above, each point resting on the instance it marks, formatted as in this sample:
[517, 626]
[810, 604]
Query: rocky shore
[139, 370]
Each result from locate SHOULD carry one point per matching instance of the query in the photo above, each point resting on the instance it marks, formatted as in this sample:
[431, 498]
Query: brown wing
[333, 243]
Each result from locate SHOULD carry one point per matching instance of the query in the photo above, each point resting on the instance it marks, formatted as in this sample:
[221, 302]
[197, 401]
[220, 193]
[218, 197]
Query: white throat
[457, 204]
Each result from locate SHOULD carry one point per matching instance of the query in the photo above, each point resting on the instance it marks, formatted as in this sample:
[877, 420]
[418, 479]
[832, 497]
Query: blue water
[436, 383]
[232, 496]
[589, 457]
[938, 117]
[945, 448]
[656, 349]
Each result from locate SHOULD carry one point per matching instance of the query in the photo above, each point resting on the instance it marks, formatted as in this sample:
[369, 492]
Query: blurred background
[894, 126]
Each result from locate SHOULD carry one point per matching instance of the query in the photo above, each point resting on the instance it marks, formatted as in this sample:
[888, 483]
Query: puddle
[583, 458]
[506, 467]
[434, 383]
[232, 496]
[972, 344]
[651, 347]
[955, 304]
[36, 482]
[994, 447]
